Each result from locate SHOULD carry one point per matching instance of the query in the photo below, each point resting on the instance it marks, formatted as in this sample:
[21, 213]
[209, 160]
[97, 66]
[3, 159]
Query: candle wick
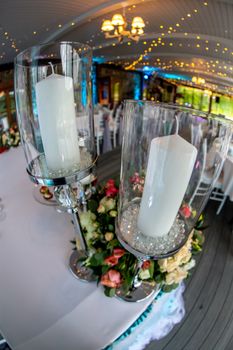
[50, 63]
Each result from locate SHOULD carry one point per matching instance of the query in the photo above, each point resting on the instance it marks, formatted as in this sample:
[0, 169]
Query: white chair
[116, 126]
[99, 130]
[211, 166]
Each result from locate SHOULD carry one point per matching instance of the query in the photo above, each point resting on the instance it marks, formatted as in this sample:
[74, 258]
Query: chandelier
[116, 28]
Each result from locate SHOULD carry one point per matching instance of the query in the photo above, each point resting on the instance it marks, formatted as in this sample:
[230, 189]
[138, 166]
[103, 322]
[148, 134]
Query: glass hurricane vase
[169, 166]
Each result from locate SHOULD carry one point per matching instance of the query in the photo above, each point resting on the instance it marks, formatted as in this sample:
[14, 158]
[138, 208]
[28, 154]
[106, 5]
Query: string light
[170, 29]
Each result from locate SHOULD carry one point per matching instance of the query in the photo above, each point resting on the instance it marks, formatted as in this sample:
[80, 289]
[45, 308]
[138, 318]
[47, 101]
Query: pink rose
[111, 279]
[118, 252]
[135, 178]
[111, 260]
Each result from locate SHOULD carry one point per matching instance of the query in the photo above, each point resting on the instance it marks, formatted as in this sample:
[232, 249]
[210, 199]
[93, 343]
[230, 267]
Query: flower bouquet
[112, 264]
[10, 138]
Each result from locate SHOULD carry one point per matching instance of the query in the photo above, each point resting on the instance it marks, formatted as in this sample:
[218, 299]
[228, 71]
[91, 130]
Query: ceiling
[182, 37]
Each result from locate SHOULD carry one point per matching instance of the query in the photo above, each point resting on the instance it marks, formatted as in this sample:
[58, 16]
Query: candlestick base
[78, 269]
[140, 293]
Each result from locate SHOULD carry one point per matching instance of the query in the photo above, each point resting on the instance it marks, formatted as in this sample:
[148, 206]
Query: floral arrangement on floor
[9, 138]
[112, 264]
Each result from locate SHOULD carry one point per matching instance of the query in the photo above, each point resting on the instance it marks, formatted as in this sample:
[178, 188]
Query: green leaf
[92, 205]
[199, 236]
[97, 259]
[111, 228]
[105, 268]
[109, 292]
[167, 288]
[151, 268]
[158, 278]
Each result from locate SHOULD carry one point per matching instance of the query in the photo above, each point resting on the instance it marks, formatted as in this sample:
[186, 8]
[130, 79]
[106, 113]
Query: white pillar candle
[56, 111]
[170, 165]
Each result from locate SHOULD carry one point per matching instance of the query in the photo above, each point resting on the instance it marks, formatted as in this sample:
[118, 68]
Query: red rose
[118, 252]
[185, 211]
[110, 183]
[111, 192]
[110, 188]
[3, 149]
[146, 265]
[111, 260]
[111, 279]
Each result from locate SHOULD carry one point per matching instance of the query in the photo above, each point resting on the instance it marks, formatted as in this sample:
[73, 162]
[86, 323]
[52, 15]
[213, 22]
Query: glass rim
[173, 106]
[50, 43]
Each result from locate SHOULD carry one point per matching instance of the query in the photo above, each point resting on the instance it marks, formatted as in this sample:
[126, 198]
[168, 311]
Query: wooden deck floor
[208, 324]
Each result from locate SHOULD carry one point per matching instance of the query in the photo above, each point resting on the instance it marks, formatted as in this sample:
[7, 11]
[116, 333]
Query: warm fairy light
[34, 33]
[159, 42]
[205, 3]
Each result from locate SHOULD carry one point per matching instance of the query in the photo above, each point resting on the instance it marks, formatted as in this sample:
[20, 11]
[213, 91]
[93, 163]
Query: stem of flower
[136, 281]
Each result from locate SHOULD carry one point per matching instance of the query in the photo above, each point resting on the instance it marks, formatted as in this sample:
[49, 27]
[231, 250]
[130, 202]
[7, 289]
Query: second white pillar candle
[170, 165]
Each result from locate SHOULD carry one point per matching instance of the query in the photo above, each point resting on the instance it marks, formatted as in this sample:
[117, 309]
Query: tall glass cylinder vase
[54, 108]
[171, 158]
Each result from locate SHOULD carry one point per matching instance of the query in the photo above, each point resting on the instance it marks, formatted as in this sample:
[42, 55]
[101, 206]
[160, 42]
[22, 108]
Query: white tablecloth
[42, 306]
